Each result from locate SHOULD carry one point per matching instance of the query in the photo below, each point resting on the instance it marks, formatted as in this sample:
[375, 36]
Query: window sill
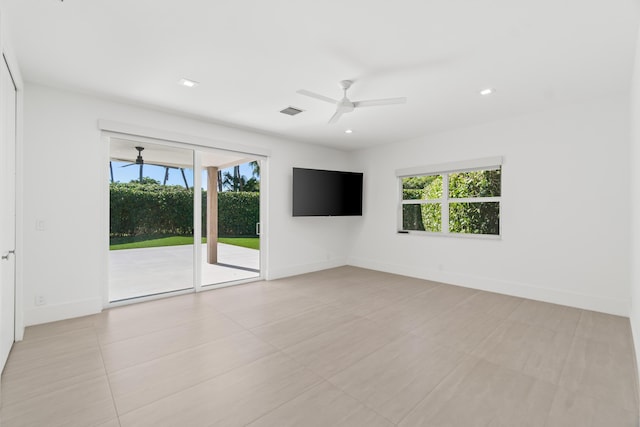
[451, 235]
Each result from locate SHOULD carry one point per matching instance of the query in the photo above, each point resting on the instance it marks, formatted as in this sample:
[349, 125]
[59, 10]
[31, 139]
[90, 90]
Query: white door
[7, 211]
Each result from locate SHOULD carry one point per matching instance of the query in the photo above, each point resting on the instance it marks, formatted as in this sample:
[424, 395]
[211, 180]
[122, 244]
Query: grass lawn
[157, 241]
[245, 242]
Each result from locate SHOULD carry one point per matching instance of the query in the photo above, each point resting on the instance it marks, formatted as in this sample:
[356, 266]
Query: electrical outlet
[40, 300]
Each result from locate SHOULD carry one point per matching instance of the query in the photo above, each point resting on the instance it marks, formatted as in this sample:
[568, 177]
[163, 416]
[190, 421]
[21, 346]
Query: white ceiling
[250, 57]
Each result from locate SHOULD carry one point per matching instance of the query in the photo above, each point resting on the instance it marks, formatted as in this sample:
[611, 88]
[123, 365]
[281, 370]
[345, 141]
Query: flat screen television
[326, 193]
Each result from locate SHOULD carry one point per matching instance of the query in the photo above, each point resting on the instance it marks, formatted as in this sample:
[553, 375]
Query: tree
[145, 181]
[465, 217]
[241, 183]
[228, 182]
[413, 188]
[252, 185]
[237, 178]
[417, 182]
[432, 213]
[255, 169]
[479, 217]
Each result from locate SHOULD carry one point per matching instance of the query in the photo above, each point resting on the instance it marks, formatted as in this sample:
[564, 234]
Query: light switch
[41, 225]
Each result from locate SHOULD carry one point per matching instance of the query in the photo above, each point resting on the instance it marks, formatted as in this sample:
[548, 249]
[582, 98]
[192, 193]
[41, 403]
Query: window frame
[444, 169]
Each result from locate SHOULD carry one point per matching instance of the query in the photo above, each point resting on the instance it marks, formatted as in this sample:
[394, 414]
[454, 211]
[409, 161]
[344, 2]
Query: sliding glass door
[157, 206]
[151, 219]
[231, 221]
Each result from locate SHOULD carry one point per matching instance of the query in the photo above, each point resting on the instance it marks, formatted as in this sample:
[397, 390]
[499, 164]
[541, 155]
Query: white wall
[635, 204]
[63, 186]
[564, 211]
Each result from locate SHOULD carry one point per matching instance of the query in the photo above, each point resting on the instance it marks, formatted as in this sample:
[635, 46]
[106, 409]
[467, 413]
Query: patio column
[212, 215]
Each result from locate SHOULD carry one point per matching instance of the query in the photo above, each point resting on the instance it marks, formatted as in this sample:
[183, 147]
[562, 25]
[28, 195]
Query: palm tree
[255, 168]
[233, 182]
[237, 181]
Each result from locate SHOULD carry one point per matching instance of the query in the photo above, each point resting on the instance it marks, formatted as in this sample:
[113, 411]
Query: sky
[129, 173]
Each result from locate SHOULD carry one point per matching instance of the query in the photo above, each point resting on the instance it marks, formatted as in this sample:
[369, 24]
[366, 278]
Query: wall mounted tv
[326, 193]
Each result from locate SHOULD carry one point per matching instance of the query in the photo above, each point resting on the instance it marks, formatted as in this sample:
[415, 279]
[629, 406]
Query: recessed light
[188, 83]
[487, 91]
[348, 131]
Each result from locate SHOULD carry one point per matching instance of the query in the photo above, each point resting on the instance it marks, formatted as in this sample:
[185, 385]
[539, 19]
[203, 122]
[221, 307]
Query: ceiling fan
[345, 105]
[140, 161]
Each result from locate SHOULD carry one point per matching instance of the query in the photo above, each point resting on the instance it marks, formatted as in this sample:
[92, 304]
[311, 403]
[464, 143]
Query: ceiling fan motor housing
[345, 84]
[346, 105]
[139, 160]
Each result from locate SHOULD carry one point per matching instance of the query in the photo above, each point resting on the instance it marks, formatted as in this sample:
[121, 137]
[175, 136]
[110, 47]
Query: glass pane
[230, 217]
[151, 220]
[426, 217]
[422, 187]
[474, 218]
[485, 183]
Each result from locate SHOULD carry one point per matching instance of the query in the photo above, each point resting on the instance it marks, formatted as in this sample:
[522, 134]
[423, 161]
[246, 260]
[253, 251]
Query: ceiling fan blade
[119, 159]
[162, 165]
[377, 102]
[126, 166]
[336, 117]
[317, 96]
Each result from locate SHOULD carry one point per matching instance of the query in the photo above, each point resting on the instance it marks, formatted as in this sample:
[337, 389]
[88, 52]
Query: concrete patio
[149, 271]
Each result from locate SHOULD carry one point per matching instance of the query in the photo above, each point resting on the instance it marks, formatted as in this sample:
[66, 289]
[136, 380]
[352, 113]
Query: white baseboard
[619, 307]
[294, 270]
[55, 312]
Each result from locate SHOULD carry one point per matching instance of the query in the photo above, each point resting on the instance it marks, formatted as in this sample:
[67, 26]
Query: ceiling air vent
[291, 111]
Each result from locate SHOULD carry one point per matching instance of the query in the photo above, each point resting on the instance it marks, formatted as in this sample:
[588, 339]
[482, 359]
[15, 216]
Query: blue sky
[129, 173]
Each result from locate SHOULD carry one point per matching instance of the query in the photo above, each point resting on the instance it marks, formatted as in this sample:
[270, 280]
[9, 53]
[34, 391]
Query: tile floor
[341, 347]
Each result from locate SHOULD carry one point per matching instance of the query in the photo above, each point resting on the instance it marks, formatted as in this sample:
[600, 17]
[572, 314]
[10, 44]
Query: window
[454, 198]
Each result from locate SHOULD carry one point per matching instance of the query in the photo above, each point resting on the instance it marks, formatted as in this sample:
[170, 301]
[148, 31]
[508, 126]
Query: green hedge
[238, 213]
[151, 208]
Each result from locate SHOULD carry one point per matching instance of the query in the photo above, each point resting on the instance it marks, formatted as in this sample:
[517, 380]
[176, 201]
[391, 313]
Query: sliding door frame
[198, 146]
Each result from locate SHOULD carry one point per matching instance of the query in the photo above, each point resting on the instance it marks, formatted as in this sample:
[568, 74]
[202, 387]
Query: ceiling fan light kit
[345, 105]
